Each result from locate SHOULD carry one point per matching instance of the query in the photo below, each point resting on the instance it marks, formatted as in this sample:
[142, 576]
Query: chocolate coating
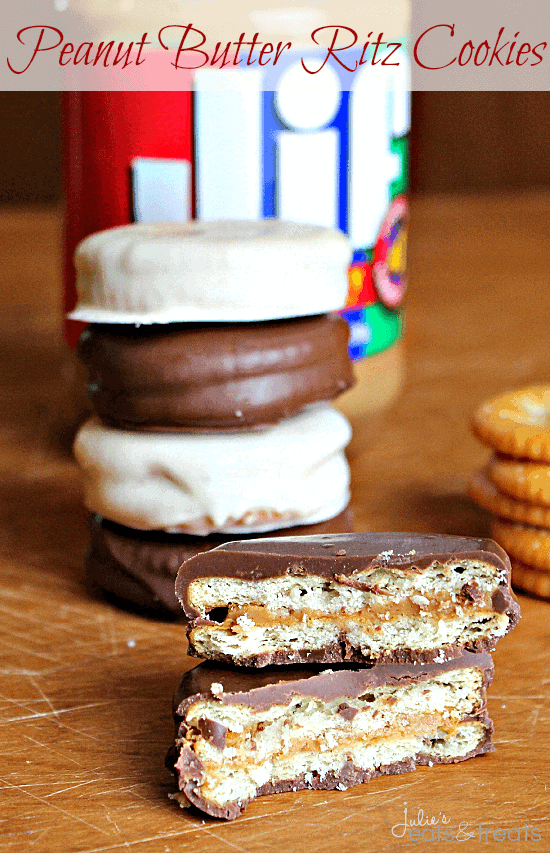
[345, 652]
[262, 690]
[139, 567]
[276, 685]
[339, 556]
[204, 377]
[213, 732]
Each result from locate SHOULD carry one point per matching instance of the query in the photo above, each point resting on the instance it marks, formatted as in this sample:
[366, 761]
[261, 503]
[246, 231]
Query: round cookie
[140, 567]
[530, 580]
[209, 377]
[523, 480]
[517, 423]
[227, 271]
[486, 494]
[242, 482]
[529, 545]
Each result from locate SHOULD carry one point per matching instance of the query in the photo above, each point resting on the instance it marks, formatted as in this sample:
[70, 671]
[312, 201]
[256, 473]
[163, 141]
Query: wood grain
[85, 689]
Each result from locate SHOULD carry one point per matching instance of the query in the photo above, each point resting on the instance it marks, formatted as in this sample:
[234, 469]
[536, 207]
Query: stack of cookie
[405, 623]
[212, 351]
[515, 485]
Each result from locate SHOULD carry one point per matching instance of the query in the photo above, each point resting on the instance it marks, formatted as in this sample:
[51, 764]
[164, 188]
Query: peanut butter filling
[240, 618]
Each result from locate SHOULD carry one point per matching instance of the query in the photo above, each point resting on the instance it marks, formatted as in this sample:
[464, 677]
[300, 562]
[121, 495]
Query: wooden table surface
[85, 689]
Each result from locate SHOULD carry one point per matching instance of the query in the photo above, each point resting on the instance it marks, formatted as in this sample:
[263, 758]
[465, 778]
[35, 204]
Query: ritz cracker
[325, 148]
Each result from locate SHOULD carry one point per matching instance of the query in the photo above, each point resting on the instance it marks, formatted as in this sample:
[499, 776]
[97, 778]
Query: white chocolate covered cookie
[290, 474]
[226, 271]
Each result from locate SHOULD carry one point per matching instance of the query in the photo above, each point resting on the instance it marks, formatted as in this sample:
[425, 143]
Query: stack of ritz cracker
[212, 351]
[515, 485]
[331, 659]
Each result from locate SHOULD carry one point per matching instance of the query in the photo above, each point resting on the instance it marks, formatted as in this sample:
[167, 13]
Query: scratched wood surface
[85, 689]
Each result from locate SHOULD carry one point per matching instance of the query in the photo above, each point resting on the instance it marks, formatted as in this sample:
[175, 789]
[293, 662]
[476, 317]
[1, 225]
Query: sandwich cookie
[244, 482]
[240, 735]
[227, 271]
[139, 567]
[392, 597]
[209, 377]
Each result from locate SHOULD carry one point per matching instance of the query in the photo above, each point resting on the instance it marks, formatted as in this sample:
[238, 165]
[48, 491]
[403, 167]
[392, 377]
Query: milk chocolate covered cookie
[395, 597]
[214, 376]
[240, 734]
[139, 567]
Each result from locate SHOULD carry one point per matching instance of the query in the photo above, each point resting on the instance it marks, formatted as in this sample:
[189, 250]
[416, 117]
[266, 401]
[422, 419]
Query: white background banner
[110, 45]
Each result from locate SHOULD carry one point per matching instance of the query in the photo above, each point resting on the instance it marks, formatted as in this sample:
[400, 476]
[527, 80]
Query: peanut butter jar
[327, 148]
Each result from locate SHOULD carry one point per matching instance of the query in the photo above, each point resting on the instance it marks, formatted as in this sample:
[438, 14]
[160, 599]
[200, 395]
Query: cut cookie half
[351, 597]
[240, 735]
